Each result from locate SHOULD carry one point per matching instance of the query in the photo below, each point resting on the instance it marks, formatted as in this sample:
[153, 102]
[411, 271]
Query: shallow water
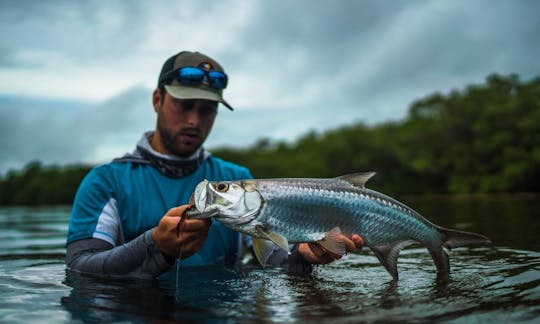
[487, 284]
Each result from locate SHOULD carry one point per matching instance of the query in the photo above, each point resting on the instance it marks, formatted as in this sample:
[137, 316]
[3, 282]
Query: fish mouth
[198, 198]
[198, 203]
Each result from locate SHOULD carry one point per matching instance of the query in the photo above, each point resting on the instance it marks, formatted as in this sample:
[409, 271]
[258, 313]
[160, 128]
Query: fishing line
[179, 230]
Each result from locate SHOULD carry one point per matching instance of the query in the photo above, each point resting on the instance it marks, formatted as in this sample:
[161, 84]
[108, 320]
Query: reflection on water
[487, 284]
[511, 221]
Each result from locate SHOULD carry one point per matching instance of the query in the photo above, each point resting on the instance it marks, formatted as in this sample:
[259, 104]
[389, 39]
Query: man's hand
[176, 236]
[316, 254]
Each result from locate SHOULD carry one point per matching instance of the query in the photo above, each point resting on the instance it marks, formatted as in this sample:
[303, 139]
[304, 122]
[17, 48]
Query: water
[487, 284]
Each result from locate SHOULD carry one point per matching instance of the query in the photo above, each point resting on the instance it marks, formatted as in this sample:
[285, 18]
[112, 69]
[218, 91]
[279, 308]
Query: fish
[305, 210]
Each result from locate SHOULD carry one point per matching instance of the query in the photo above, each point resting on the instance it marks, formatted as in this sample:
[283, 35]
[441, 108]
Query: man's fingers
[190, 243]
[321, 254]
[177, 211]
[353, 243]
[358, 241]
[196, 225]
[176, 235]
[312, 252]
[316, 249]
[349, 244]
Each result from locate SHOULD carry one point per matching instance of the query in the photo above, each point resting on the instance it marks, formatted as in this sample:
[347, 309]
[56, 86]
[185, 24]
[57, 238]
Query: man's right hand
[176, 236]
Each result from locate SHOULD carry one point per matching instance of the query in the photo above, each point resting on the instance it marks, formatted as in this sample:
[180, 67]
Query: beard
[173, 143]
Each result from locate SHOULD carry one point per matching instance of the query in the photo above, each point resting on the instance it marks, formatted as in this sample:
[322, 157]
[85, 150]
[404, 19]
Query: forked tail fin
[452, 238]
[388, 253]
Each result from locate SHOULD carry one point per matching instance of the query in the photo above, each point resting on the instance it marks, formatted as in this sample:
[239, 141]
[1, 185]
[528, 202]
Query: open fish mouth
[198, 201]
[196, 208]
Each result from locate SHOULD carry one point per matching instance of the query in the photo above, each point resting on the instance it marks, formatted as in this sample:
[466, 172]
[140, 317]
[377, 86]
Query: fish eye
[222, 187]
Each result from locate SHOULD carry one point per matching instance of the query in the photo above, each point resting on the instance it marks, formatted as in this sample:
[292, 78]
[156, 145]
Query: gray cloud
[67, 31]
[294, 65]
[371, 59]
[66, 131]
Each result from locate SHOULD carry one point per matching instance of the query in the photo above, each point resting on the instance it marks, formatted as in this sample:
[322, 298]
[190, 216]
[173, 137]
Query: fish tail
[452, 238]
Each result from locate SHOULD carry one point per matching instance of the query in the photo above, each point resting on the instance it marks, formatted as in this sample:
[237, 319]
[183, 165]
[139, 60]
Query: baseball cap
[189, 91]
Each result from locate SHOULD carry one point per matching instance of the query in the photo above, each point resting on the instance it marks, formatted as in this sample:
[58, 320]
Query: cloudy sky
[76, 77]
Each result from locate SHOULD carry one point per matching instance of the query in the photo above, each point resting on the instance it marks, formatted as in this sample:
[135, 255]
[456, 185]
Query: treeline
[483, 139]
[37, 184]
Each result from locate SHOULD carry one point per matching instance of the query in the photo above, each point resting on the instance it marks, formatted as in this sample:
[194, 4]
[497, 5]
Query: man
[126, 216]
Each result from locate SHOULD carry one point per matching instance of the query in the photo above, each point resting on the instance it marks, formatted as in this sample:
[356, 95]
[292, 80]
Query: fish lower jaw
[195, 214]
[233, 222]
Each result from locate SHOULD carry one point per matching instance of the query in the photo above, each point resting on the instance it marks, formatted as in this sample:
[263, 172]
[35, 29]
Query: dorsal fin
[358, 179]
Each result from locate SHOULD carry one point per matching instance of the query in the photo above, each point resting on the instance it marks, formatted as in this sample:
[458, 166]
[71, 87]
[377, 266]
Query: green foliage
[38, 185]
[484, 139]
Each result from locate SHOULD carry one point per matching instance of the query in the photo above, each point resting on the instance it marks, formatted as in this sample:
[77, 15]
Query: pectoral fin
[333, 243]
[262, 249]
[388, 254]
[279, 239]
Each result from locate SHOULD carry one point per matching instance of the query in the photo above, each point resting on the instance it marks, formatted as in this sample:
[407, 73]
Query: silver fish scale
[303, 210]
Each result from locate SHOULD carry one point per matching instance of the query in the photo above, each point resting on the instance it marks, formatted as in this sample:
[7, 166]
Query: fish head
[231, 202]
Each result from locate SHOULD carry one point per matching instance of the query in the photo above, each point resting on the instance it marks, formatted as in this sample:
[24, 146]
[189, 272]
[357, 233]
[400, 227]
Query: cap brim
[187, 93]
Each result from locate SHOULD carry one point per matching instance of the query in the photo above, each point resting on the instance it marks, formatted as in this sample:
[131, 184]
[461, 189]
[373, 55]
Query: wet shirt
[121, 201]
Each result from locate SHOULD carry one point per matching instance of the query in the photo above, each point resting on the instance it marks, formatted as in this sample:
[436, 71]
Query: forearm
[139, 258]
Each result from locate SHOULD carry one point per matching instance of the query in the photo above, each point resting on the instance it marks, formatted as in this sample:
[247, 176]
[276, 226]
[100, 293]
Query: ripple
[499, 284]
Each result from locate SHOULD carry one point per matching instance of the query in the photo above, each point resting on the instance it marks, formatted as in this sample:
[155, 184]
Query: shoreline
[471, 196]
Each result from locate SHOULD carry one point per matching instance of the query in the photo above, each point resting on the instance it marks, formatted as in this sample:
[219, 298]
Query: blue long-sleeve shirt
[119, 203]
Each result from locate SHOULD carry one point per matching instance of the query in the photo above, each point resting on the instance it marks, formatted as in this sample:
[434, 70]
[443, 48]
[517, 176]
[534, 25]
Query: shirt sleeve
[94, 212]
[95, 243]
[293, 263]
[140, 258]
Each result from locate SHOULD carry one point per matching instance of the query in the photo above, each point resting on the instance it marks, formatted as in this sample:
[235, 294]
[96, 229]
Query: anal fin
[388, 255]
[332, 242]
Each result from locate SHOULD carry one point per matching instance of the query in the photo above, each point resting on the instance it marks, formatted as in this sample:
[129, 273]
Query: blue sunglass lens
[218, 80]
[190, 75]
[196, 76]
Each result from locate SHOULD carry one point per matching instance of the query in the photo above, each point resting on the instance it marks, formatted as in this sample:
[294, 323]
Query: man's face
[183, 125]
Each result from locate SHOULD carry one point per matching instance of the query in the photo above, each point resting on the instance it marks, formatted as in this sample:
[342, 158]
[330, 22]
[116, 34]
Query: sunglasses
[192, 75]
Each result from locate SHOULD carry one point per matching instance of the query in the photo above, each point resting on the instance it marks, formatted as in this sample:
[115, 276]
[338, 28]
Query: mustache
[189, 131]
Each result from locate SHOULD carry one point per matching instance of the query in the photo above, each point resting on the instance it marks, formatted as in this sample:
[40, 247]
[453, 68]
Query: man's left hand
[316, 254]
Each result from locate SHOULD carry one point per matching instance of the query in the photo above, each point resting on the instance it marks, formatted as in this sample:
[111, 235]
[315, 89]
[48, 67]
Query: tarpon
[285, 211]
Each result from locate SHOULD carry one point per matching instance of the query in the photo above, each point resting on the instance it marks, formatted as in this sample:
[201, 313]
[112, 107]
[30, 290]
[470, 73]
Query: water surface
[487, 284]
